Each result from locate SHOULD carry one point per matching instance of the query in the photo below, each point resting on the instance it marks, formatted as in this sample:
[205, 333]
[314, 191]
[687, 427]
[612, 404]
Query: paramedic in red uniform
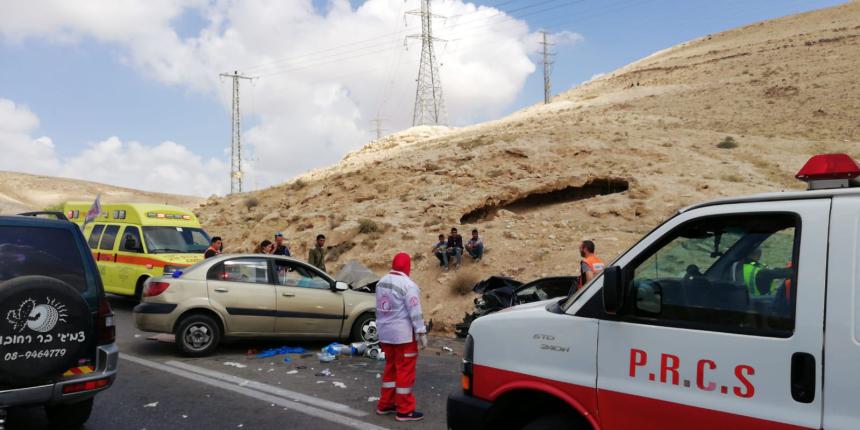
[400, 324]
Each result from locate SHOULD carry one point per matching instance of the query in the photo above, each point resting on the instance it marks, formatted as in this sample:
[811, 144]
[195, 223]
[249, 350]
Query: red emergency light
[829, 171]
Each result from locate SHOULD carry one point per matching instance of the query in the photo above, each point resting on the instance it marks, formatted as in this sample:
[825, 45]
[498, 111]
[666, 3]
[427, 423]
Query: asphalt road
[158, 389]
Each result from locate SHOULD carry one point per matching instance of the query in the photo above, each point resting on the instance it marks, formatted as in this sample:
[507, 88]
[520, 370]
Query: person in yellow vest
[591, 265]
[760, 279]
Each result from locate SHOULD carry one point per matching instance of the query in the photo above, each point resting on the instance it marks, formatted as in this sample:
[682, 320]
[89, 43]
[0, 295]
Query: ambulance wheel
[70, 415]
[197, 335]
[138, 289]
[364, 329]
[552, 422]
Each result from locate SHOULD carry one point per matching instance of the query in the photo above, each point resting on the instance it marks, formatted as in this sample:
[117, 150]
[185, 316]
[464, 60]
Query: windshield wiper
[157, 250]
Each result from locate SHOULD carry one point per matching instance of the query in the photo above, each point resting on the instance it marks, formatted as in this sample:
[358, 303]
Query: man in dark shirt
[215, 247]
[280, 246]
[455, 246]
[316, 255]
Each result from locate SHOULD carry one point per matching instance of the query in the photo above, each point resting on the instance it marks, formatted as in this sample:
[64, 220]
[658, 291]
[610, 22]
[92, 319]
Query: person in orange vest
[591, 265]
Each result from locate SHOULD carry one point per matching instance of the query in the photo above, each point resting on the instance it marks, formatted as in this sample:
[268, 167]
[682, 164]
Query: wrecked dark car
[499, 292]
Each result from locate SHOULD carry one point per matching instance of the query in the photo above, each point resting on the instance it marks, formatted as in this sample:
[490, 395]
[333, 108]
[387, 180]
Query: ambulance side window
[109, 238]
[95, 235]
[724, 273]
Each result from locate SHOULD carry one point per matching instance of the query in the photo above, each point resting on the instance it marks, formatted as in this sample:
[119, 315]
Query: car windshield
[26, 251]
[165, 240]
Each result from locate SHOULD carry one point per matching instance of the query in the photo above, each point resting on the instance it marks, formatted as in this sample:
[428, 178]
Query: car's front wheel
[197, 335]
[69, 415]
[364, 329]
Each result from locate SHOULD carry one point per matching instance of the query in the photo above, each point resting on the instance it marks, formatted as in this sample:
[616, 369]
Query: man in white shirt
[400, 324]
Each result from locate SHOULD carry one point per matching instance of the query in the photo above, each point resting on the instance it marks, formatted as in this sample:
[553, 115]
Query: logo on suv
[40, 318]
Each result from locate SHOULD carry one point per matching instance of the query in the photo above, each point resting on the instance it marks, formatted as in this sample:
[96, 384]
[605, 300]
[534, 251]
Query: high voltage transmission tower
[379, 129]
[547, 68]
[236, 136]
[429, 106]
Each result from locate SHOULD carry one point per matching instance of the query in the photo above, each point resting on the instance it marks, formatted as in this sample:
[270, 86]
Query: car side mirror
[613, 289]
[341, 286]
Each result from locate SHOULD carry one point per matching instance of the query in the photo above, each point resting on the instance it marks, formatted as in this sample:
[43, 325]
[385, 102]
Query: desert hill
[21, 192]
[726, 114]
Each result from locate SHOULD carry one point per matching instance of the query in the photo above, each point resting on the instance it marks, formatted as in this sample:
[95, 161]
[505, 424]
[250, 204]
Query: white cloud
[323, 75]
[166, 167]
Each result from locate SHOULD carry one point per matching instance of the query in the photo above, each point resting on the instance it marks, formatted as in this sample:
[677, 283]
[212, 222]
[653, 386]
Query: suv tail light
[155, 288]
[105, 324]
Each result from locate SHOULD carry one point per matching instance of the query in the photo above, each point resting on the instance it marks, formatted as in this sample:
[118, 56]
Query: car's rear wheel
[197, 335]
[364, 329]
[69, 415]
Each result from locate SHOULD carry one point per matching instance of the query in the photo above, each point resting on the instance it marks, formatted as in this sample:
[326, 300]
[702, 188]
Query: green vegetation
[728, 143]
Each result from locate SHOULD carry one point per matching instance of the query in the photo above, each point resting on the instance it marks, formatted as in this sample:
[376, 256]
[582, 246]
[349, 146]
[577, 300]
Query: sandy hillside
[605, 161]
[22, 192]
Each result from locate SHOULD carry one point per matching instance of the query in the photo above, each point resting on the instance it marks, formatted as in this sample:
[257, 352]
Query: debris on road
[272, 352]
[324, 372]
[373, 399]
[447, 349]
[150, 405]
[325, 357]
[338, 384]
[234, 364]
[287, 359]
[292, 372]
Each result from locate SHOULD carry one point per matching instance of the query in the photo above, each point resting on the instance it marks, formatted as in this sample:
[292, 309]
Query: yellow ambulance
[132, 242]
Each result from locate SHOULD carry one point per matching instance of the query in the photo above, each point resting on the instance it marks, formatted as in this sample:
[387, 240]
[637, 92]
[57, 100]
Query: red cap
[402, 263]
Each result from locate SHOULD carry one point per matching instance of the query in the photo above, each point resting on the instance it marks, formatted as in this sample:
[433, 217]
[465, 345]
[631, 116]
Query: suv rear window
[41, 251]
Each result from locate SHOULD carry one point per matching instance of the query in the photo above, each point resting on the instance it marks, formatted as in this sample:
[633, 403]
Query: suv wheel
[70, 415]
[198, 335]
[364, 329]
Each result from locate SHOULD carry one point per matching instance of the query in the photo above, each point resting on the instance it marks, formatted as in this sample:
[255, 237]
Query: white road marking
[277, 391]
[264, 396]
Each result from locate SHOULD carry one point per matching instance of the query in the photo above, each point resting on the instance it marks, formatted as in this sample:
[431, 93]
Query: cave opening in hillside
[536, 200]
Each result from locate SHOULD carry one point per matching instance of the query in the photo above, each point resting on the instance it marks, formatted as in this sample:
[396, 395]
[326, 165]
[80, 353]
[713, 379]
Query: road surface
[158, 389]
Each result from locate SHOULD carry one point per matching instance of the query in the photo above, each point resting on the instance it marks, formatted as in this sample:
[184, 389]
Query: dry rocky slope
[21, 192]
[606, 161]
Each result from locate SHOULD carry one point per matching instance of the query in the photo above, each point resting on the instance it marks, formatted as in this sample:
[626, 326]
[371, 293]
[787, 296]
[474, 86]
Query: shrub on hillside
[728, 143]
[367, 226]
[251, 202]
[463, 283]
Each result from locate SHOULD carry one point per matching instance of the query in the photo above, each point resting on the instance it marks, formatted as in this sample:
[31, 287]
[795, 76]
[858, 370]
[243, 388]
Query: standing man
[591, 265]
[280, 246]
[316, 255]
[455, 246]
[475, 246]
[400, 324]
[215, 247]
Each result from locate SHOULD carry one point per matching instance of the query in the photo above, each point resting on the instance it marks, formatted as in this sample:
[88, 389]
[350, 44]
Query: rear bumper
[466, 412]
[155, 317]
[107, 359]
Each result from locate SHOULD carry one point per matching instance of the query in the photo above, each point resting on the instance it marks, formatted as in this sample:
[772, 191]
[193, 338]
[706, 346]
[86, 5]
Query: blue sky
[91, 88]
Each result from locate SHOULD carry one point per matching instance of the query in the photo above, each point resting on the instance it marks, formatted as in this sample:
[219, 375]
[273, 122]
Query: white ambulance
[735, 314]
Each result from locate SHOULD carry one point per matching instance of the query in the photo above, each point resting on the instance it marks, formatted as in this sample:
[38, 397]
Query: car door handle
[221, 290]
[803, 377]
[288, 294]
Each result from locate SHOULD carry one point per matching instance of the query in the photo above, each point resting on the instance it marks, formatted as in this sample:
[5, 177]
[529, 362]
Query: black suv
[56, 327]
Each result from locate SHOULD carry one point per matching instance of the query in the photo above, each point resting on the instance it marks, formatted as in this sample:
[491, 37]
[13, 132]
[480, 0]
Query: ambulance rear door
[722, 322]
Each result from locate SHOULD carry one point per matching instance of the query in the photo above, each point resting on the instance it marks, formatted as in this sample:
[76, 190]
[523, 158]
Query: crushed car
[500, 292]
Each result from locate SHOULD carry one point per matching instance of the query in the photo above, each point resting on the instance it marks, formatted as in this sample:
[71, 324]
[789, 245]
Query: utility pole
[236, 136]
[429, 106]
[379, 129]
[547, 68]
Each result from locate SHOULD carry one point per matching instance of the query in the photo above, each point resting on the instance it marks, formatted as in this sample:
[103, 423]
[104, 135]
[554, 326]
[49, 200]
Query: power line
[236, 135]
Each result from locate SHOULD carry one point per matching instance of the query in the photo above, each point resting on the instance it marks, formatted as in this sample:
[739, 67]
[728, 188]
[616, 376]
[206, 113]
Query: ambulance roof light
[829, 171]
